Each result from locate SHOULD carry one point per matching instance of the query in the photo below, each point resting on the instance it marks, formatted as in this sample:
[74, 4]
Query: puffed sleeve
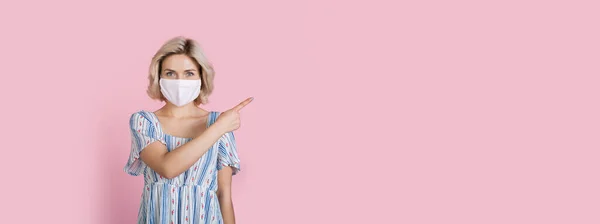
[228, 155]
[143, 132]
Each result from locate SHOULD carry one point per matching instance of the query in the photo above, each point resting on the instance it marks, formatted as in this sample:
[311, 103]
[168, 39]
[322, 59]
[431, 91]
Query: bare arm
[224, 195]
[171, 164]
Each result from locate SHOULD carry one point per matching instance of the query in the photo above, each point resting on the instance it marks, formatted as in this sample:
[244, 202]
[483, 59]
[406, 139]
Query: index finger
[243, 104]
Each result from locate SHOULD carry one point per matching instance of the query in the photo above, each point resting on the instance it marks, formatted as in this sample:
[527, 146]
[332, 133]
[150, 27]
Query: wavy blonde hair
[190, 48]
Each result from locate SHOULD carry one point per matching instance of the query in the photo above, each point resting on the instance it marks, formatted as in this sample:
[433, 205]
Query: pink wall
[370, 112]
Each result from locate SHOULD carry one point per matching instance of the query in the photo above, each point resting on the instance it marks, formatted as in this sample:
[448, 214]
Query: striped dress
[190, 197]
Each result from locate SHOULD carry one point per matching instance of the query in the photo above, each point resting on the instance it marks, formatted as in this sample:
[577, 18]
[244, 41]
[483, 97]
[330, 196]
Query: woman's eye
[190, 74]
[169, 73]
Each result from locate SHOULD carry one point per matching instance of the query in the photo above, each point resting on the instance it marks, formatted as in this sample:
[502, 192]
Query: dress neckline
[159, 126]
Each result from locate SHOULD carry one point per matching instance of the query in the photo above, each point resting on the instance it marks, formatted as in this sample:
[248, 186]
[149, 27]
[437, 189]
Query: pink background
[364, 112]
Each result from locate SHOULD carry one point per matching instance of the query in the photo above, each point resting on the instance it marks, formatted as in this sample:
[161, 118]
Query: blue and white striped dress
[190, 197]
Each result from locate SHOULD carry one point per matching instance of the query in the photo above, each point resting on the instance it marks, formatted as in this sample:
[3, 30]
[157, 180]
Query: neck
[180, 112]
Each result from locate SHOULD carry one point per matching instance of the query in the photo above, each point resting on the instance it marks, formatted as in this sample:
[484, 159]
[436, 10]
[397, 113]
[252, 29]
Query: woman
[187, 154]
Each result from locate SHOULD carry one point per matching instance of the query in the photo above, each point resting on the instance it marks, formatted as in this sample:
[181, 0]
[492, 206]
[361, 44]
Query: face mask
[180, 92]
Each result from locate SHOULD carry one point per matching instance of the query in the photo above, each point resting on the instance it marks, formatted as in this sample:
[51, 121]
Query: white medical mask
[179, 91]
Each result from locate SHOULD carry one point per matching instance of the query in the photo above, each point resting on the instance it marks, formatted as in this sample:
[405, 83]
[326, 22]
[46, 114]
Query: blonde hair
[190, 48]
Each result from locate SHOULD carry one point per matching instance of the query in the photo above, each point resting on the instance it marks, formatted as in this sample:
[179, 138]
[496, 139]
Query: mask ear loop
[198, 99]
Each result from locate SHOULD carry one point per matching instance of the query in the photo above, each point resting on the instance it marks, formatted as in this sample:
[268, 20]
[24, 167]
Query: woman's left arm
[224, 194]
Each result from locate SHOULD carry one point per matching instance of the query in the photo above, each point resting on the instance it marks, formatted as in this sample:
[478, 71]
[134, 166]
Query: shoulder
[213, 115]
[141, 116]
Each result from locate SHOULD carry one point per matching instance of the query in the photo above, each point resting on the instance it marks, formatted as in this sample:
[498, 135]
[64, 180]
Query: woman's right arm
[172, 164]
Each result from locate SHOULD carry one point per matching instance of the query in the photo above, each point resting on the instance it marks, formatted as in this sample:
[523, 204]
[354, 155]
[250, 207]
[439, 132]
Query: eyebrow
[166, 69]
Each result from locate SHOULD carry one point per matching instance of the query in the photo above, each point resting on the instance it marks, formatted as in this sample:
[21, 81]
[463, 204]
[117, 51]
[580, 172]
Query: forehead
[178, 62]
